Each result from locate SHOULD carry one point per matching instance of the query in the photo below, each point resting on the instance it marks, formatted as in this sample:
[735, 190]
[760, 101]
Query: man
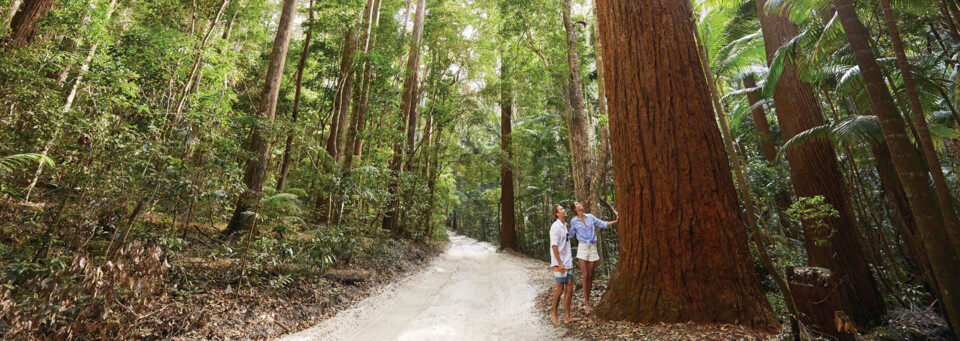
[561, 260]
[582, 226]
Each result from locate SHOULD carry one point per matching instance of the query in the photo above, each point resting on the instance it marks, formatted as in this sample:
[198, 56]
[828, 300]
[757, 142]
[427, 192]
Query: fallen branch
[348, 276]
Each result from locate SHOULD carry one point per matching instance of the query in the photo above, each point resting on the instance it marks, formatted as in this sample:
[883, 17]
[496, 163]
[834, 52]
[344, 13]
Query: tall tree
[767, 148]
[907, 161]
[814, 170]
[341, 115]
[11, 11]
[508, 229]
[362, 97]
[256, 168]
[24, 22]
[409, 111]
[680, 259]
[578, 124]
[920, 122]
[295, 112]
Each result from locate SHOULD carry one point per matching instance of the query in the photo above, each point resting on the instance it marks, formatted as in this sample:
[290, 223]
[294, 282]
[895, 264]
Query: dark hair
[573, 206]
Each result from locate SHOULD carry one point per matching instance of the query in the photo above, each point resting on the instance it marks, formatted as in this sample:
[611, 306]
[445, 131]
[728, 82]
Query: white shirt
[558, 238]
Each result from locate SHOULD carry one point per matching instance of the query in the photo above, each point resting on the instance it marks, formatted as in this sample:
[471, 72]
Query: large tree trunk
[508, 229]
[24, 22]
[815, 171]
[680, 260]
[256, 168]
[920, 122]
[578, 124]
[409, 108]
[909, 165]
[294, 113]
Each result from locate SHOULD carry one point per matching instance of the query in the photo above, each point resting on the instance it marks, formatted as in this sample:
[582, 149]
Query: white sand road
[470, 292]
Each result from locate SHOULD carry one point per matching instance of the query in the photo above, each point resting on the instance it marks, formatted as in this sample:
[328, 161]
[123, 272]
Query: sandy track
[470, 292]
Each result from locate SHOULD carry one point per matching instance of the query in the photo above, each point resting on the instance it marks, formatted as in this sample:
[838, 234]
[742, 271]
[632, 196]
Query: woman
[582, 227]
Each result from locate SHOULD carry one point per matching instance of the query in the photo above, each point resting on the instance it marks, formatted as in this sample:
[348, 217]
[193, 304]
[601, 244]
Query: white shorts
[588, 252]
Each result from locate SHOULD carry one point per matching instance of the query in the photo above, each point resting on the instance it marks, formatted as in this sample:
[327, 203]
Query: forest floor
[220, 312]
[915, 323]
[469, 292]
[590, 328]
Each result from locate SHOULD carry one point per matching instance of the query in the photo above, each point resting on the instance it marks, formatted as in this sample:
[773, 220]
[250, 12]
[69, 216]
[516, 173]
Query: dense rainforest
[791, 166]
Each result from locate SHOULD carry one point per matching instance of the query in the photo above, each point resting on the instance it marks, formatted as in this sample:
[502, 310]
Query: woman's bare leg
[588, 284]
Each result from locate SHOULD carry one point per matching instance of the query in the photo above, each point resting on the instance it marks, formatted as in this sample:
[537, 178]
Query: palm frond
[17, 161]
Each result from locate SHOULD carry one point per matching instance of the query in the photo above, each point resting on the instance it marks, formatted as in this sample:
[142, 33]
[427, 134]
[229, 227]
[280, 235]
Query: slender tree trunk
[256, 169]
[578, 122]
[362, 96]
[769, 151]
[901, 216]
[679, 260]
[950, 218]
[508, 232]
[767, 147]
[409, 108]
[600, 161]
[68, 102]
[432, 175]
[294, 113]
[11, 11]
[198, 58]
[338, 125]
[907, 161]
[24, 22]
[815, 171]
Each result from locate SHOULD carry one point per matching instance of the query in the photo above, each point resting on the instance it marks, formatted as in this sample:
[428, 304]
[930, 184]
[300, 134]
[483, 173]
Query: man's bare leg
[566, 303]
[556, 303]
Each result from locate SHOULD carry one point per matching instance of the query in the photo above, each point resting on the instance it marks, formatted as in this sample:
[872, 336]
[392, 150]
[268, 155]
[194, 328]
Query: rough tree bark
[815, 171]
[24, 22]
[680, 260]
[907, 161]
[294, 113]
[578, 124]
[255, 170]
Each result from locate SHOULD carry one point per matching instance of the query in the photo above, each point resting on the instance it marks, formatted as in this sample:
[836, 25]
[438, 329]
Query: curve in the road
[470, 292]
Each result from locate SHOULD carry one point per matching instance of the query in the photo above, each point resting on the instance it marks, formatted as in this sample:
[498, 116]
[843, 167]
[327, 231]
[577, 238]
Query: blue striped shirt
[584, 232]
